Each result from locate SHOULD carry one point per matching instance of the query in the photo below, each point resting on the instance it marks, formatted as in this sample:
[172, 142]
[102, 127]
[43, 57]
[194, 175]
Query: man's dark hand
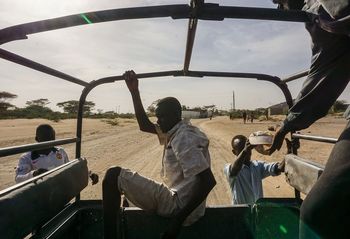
[172, 231]
[277, 140]
[131, 81]
[281, 166]
[39, 171]
[248, 147]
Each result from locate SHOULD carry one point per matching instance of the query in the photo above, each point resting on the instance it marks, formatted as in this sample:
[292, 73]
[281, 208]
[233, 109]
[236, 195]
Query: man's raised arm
[142, 119]
[236, 166]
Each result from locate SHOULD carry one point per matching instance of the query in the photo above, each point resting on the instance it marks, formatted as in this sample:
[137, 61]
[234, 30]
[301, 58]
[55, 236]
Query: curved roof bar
[206, 11]
[191, 32]
[273, 79]
[264, 77]
[296, 76]
[39, 67]
[21, 31]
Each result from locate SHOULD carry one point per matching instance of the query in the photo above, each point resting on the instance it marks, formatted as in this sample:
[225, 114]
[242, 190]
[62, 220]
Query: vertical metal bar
[80, 119]
[82, 99]
[297, 194]
[191, 33]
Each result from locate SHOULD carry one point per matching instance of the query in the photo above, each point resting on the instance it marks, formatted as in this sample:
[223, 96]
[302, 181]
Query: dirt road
[124, 145]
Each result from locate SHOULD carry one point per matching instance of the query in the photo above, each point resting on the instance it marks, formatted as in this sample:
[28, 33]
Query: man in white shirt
[245, 175]
[36, 162]
[185, 169]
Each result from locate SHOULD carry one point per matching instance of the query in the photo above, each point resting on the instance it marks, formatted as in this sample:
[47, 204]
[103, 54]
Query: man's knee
[307, 212]
[111, 176]
[316, 219]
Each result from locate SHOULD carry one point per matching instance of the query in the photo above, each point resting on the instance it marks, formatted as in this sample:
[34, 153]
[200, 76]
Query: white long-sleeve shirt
[31, 161]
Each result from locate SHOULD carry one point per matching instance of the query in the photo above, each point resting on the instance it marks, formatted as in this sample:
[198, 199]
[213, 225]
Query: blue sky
[99, 50]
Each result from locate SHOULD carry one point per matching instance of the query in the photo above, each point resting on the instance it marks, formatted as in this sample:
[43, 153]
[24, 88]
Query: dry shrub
[113, 122]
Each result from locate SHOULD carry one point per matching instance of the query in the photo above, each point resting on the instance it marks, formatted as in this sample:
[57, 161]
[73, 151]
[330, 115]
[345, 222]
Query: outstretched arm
[278, 140]
[142, 119]
[204, 184]
[236, 166]
[280, 167]
[339, 26]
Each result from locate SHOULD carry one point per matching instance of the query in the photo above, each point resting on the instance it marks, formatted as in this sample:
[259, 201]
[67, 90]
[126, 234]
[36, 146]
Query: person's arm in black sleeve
[278, 139]
[328, 75]
[142, 119]
[319, 93]
[204, 184]
[336, 26]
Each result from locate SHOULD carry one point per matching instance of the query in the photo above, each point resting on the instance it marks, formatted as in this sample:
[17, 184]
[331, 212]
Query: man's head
[289, 4]
[168, 112]
[44, 132]
[238, 144]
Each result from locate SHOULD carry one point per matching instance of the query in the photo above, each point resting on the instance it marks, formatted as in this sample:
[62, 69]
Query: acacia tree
[39, 102]
[37, 108]
[340, 106]
[72, 106]
[4, 97]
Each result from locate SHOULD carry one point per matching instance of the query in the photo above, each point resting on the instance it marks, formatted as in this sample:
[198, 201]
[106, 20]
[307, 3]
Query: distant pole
[233, 101]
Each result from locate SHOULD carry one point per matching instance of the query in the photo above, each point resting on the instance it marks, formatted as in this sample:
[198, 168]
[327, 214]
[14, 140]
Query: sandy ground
[124, 145]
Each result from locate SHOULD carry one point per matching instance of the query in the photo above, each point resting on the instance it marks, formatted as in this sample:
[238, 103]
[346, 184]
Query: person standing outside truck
[244, 115]
[185, 169]
[245, 175]
[36, 162]
[324, 212]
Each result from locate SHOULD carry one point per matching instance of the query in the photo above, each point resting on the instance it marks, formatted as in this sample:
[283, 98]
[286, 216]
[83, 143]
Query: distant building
[278, 109]
[190, 114]
[282, 109]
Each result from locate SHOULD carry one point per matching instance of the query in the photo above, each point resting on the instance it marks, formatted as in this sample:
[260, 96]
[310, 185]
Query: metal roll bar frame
[196, 10]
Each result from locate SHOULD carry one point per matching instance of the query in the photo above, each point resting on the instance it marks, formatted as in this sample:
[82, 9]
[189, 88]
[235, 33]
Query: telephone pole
[233, 101]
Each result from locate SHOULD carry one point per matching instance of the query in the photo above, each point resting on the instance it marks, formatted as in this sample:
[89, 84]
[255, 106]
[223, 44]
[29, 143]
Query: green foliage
[113, 122]
[56, 116]
[4, 106]
[37, 109]
[39, 102]
[126, 116]
[4, 97]
[339, 106]
[72, 106]
[33, 111]
[259, 113]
